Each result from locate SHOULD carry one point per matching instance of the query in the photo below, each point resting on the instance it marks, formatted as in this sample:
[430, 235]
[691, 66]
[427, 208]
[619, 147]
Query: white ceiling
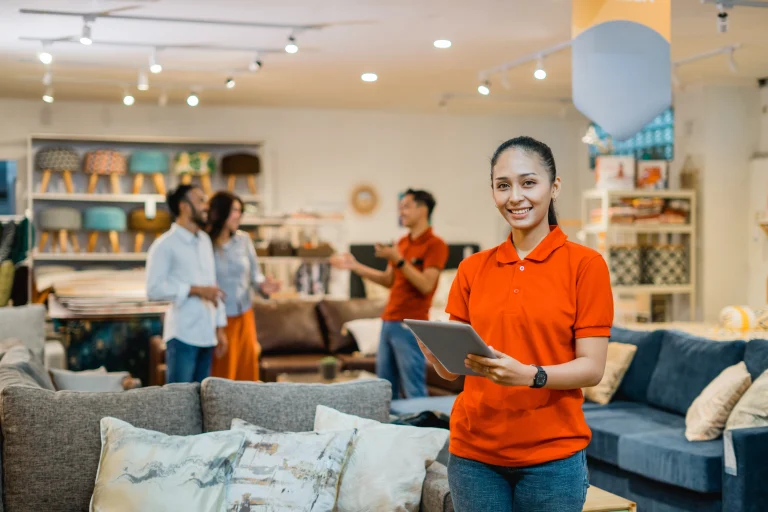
[392, 38]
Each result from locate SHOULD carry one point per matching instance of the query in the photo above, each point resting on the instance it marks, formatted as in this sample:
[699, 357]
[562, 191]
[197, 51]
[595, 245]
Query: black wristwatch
[401, 263]
[540, 380]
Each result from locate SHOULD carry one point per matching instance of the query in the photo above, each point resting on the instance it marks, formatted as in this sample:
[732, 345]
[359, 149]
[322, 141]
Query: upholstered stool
[241, 164]
[140, 224]
[104, 162]
[149, 162]
[62, 221]
[188, 164]
[63, 160]
[104, 218]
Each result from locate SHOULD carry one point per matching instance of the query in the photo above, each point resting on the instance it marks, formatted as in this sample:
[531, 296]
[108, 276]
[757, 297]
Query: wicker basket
[665, 265]
[626, 268]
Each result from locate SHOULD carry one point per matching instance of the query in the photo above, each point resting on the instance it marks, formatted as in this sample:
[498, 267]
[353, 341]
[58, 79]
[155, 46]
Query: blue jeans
[400, 361]
[187, 363]
[557, 486]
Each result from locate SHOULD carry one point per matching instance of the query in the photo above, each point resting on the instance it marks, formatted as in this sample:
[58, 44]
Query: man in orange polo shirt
[414, 268]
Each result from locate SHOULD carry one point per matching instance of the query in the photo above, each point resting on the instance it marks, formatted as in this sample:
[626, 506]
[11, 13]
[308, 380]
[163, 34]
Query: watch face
[541, 378]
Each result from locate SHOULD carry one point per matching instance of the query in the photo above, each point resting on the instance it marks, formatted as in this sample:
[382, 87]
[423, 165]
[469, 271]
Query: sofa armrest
[435, 495]
[745, 491]
[55, 355]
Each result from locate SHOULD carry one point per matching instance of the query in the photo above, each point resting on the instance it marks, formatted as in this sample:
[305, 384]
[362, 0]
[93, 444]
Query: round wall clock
[364, 199]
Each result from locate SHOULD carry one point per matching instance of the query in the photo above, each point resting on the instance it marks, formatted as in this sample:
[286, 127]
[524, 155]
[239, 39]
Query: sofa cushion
[595, 408]
[686, 365]
[335, 313]
[756, 357]
[288, 327]
[634, 385]
[288, 407]
[668, 457]
[52, 440]
[442, 404]
[609, 425]
[27, 324]
[19, 366]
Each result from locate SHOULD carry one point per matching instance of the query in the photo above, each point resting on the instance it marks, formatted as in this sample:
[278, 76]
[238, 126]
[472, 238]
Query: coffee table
[317, 378]
[599, 500]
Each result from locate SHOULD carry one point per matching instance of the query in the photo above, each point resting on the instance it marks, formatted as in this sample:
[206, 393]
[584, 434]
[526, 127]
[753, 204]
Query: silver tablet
[451, 343]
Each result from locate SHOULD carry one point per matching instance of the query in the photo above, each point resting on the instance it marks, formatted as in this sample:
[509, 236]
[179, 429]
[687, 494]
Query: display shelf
[98, 198]
[290, 259]
[248, 220]
[654, 289]
[664, 194]
[639, 228]
[90, 256]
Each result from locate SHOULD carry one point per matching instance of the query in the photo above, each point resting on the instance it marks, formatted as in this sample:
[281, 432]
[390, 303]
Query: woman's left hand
[270, 285]
[504, 370]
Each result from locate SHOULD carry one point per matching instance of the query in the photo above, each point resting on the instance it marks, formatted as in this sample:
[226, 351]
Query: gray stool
[62, 221]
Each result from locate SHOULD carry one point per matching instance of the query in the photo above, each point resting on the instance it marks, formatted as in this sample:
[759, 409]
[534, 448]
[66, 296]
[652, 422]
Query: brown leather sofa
[295, 335]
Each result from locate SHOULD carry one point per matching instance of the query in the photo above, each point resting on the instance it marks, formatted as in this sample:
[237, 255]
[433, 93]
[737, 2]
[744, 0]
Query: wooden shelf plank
[654, 289]
[98, 198]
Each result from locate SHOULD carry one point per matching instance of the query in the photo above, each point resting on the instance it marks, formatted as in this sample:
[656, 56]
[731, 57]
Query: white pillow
[288, 471]
[153, 472]
[98, 380]
[388, 463]
[367, 333]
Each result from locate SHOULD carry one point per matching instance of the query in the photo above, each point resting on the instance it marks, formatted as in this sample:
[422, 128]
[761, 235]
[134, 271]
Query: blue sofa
[639, 450]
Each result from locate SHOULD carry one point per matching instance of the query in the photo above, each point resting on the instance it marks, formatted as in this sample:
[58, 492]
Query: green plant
[328, 360]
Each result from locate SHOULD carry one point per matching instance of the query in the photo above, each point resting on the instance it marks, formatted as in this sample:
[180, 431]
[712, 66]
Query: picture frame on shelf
[652, 175]
[615, 172]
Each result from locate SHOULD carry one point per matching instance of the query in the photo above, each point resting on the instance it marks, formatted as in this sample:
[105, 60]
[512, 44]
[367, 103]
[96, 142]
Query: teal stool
[109, 219]
[149, 162]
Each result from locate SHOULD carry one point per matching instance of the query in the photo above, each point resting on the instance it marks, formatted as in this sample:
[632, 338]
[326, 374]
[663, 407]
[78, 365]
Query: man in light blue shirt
[181, 270]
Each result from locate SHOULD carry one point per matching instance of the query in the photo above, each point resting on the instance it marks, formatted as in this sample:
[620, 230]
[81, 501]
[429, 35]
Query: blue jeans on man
[187, 363]
[401, 362]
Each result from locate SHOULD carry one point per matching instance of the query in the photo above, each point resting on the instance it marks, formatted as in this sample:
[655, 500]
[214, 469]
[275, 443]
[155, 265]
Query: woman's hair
[219, 208]
[531, 146]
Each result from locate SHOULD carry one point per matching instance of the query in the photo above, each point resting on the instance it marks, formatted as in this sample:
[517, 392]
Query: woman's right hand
[439, 368]
[343, 261]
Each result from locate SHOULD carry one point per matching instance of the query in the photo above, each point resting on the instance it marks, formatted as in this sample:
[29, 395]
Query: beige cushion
[619, 358]
[375, 291]
[752, 409]
[707, 414]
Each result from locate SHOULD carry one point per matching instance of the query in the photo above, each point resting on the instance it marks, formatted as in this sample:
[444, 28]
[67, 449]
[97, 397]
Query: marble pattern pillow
[752, 409]
[706, 417]
[388, 463]
[288, 471]
[154, 472]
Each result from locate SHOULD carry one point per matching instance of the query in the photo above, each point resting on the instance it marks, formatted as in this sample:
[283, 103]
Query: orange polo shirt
[405, 301]
[533, 310]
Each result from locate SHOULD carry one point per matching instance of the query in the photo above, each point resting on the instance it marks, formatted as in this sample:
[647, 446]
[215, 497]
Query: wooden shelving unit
[606, 234]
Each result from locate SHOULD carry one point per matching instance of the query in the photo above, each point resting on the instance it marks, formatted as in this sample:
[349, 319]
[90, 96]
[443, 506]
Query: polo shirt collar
[555, 239]
[422, 238]
[184, 233]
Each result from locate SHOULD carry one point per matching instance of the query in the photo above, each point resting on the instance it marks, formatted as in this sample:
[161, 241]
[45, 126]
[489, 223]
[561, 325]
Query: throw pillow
[98, 380]
[288, 471]
[375, 291]
[708, 413]
[151, 471]
[752, 409]
[388, 463]
[367, 333]
[619, 358]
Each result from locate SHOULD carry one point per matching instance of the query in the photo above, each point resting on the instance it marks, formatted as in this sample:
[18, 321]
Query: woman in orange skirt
[237, 273]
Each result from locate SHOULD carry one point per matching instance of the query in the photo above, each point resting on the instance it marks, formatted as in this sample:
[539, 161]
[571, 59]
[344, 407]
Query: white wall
[318, 156]
[764, 120]
[758, 209]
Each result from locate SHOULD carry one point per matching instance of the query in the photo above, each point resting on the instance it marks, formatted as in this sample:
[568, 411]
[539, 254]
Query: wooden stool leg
[186, 179]
[92, 182]
[252, 184]
[63, 239]
[46, 180]
[138, 181]
[138, 242]
[54, 243]
[231, 183]
[92, 239]
[68, 182]
[75, 242]
[43, 241]
[159, 183]
[206, 181]
[114, 240]
[114, 180]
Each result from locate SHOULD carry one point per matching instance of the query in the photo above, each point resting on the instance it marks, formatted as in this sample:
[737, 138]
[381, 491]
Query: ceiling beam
[108, 15]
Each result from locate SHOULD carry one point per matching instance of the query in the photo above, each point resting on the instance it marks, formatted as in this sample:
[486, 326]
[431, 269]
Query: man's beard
[197, 217]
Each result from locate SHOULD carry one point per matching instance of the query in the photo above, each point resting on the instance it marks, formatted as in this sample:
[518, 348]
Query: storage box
[615, 173]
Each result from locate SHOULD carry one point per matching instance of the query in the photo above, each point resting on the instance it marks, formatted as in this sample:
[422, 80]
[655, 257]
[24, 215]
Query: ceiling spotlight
[442, 44]
[48, 95]
[230, 83]
[154, 66]
[128, 99]
[484, 88]
[722, 19]
[291, 47]
[85, 37]
[193, 100]
[540, 73]
[369, 77]
[45, 57]
[255, 65]
[143, 83]
[163, 99]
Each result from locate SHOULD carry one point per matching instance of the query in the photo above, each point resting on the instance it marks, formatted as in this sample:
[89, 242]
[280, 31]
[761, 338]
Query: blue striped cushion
[105, 218]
